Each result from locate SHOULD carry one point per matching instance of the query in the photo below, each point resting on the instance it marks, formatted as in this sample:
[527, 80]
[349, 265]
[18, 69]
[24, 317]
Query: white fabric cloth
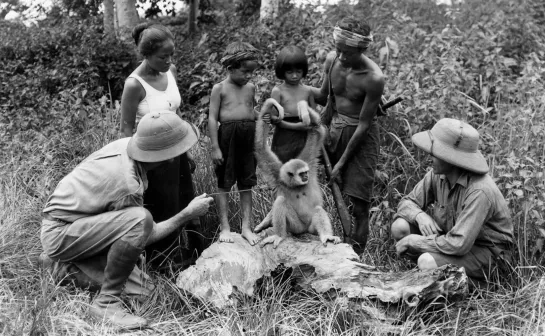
[155, 100]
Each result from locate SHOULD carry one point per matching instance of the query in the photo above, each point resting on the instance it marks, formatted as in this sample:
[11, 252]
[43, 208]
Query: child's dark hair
[149, 37]
[238, 52]
[290, 57]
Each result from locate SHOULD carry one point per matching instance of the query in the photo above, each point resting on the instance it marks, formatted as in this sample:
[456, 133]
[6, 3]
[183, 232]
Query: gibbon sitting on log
[298, 205]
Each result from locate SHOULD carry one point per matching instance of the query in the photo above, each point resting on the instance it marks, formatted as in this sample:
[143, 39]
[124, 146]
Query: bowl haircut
[291, 57]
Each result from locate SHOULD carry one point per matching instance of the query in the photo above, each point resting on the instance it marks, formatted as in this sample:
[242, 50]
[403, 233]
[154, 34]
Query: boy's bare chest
[240, 97]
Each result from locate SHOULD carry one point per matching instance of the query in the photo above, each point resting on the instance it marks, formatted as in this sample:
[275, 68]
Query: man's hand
[217, 156]
[199, 206]
[405, 244]
[427, 225]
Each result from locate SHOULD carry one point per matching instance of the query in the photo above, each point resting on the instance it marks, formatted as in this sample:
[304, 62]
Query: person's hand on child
[217, 156]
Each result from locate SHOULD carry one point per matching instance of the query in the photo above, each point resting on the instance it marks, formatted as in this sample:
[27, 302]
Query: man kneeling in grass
[95, 226]
[471, 225]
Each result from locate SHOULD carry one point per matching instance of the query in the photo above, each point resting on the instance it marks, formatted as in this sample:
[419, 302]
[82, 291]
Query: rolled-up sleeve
[477, 209]
[458, 241]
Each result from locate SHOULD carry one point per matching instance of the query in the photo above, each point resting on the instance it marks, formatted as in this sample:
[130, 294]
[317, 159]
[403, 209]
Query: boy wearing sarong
[352, 87]
[232, 144]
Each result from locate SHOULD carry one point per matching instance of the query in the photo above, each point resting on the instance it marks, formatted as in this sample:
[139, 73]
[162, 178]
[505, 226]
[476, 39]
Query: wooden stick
[342, 209]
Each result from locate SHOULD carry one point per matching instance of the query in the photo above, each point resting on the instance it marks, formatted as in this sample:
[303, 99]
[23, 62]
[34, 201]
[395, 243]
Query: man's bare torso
[350, 86]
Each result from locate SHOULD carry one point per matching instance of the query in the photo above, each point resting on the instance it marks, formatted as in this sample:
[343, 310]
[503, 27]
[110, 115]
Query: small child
[290, 134]
[232, 105]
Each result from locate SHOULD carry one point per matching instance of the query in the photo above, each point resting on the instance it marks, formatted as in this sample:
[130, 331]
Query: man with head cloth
[352, 87]
[470, 225]
[94, 224]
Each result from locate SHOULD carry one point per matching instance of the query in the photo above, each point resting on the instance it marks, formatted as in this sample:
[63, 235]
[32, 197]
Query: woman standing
[152, 88]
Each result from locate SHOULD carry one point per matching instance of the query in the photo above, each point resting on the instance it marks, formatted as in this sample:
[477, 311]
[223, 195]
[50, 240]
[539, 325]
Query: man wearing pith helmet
[470, 224]
[94, 224]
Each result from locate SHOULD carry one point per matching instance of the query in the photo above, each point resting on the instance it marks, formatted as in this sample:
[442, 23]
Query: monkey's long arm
[315, 140]
[267, 161]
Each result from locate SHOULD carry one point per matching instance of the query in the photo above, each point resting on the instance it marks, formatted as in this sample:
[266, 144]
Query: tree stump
[226, 267]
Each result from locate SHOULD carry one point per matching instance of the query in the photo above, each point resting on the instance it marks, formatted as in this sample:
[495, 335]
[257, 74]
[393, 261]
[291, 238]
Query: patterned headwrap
[352, 39]
[238, 57]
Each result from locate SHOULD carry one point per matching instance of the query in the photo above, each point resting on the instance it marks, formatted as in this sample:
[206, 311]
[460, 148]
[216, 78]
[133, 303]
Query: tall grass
[513, 133]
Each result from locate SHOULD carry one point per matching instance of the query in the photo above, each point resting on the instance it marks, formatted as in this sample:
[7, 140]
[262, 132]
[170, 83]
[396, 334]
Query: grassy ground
[437, 70]
[32, 304]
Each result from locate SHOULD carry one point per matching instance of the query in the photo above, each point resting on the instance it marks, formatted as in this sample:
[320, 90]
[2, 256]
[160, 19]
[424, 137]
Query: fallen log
[226, 267]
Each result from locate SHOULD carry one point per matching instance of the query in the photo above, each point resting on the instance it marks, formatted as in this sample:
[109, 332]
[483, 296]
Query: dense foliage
[482, 61]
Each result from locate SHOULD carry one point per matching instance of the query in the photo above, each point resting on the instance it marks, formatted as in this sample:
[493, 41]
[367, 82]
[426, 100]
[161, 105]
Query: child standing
[232, 105]
[290, 134]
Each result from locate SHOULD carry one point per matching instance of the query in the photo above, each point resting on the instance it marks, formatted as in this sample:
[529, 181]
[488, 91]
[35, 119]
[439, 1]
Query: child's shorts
[236, 140]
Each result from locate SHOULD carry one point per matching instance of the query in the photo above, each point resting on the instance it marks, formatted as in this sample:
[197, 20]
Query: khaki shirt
[472, 212]
[107, 180]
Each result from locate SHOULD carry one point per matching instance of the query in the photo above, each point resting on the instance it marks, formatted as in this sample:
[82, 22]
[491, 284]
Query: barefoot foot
[251, 237]
[225, 236]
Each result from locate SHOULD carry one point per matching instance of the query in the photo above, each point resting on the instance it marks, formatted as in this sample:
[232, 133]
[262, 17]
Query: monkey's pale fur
[298, 205]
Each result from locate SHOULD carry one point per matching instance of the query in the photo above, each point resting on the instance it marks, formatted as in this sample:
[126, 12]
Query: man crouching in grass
[94, 224]
[471, 225]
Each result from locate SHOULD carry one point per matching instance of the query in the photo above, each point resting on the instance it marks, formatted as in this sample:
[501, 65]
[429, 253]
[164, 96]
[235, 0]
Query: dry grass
[32, 304]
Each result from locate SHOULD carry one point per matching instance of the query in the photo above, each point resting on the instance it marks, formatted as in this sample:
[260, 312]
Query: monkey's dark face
[294, 173]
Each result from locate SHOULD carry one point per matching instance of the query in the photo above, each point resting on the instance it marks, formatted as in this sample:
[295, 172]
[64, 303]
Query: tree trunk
[109, 17]
[269, 9]
[225, 268]
[127, 17]
[193, 9]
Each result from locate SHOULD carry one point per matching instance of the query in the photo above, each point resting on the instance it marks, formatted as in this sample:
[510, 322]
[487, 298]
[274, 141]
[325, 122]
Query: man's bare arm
[196, 208]
[320, 94]
[375, 88]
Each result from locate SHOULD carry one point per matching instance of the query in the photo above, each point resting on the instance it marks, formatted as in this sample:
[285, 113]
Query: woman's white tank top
[155, 100]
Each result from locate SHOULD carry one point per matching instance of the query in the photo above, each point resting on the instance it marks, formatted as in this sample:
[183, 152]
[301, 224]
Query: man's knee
[426, 262]
[138, 235]
[400, 228]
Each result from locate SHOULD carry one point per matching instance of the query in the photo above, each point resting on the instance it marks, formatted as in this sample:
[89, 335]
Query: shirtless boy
[357, 85]
[232, 105]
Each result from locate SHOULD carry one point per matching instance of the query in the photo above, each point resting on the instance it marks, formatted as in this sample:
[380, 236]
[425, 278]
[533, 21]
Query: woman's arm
[133, 94]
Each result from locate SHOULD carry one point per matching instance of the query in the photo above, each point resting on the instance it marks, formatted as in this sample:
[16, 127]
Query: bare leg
[360, 232]
[247, 217]
[223, 208]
